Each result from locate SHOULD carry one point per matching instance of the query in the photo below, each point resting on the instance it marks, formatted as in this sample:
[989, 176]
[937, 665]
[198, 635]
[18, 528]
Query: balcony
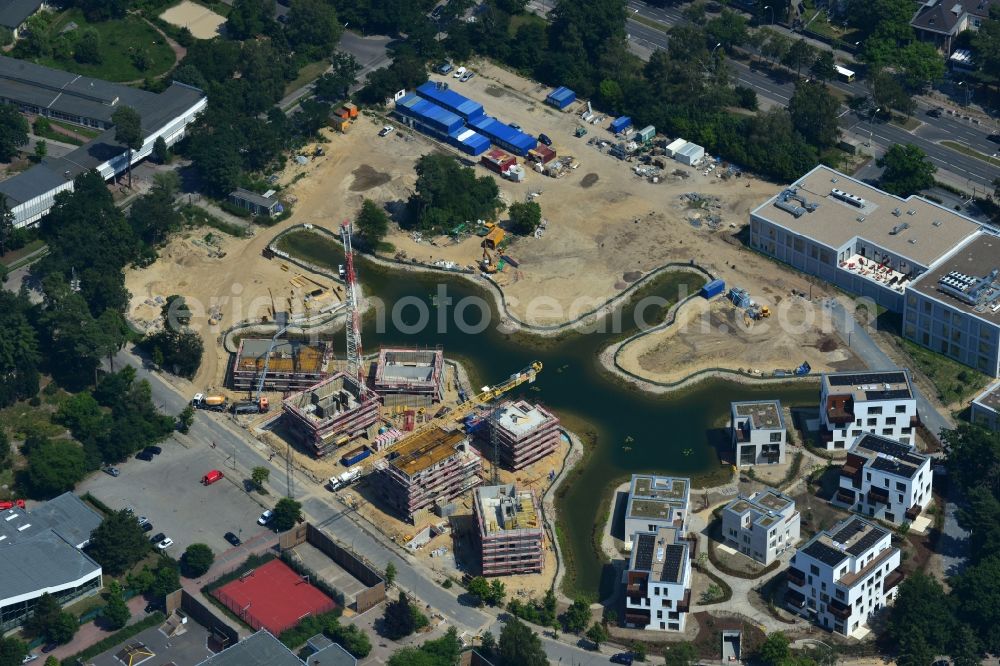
[795, 577]
[878, 495]
[684, 605]
[892, 580]
[839, 609]
[839, 416]
[846, 496]
[915, 421]
[913, 512]
[636, 618]
[795, 600]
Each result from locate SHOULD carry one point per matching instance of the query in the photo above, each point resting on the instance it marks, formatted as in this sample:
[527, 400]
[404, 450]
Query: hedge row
[114, 639]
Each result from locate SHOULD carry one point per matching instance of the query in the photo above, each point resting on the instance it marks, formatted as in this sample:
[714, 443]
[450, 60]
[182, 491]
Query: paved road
[370, 52]
[970, 170]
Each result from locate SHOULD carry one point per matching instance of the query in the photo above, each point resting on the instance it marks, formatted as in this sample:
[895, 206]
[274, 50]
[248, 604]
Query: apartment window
[890, 420]
[839, 594]
[886, 482]
[900, 485]
[659, 615]
[776, 437]
[886, 431]
[813, 569]
[874, 410]
[872, 421]
[868, 475]
[900, 496]
[855, 433]
[900, 409]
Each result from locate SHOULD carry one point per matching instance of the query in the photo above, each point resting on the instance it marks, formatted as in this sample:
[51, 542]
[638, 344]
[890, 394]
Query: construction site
[331, 414]
[411, 377]
[288, 365]
[523, 433]
[510, 533]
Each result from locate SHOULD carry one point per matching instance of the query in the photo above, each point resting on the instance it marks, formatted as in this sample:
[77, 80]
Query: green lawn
[521, 19]
[954, 381]
[21, 418]
[822, 26]
[309, 73]
[52, 135]
[15, 256]
[121, 40]
[88, 132]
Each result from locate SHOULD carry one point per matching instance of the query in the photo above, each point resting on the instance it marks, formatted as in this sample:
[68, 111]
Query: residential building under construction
[291, 365]
[431, 466]
[511, 538]
[331, 413]
[413, 377]
[526, 433]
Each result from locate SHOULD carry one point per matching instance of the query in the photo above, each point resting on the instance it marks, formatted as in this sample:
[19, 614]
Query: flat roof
[990, 398]
[66, 514]
[888, 455]
[259, 649]
[13, 13]
[253, 197]
[763, 414]
[976, 259]
[656, 553]
[426, 449]
[43, 561]
[870, 386]
[767, 506]
[505, 508]
[931, 230]
[657, 497]
[848, 538]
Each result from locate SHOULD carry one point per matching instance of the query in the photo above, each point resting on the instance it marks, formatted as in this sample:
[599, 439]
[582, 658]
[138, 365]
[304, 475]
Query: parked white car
[166, 543]
[460, 72]
[265, 517]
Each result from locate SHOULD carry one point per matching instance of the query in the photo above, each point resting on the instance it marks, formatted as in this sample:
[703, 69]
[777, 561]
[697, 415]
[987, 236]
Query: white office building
[761, 526]
[658, 581]
[885, 479]
[854, 403]
[986, 408]
[843, 575]
[758, 432]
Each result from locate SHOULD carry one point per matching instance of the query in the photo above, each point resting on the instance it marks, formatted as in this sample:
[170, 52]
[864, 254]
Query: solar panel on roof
[867, 378]
[826, 554]
[644, 551]
[891, 394]
[848, 531]
[672, 564]
[867, 541]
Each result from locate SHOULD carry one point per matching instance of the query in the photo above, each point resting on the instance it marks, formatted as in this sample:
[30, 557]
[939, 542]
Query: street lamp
[766, 7]
[871, 127]
[967, 90]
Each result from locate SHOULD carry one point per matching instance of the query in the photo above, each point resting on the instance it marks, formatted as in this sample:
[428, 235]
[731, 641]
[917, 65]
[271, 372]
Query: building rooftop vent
[911, 211]
[897, 212]
[861, 218]
[847, 197]
[937, 223]
[912, 241]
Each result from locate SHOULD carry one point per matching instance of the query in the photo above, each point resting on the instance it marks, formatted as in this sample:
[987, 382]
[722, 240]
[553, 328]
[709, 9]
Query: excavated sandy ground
[201, 21]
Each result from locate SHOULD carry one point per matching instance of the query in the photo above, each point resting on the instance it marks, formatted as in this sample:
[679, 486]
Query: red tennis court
[274, 597]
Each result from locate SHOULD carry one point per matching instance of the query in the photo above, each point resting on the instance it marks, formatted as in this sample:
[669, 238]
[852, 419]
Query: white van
[459, 72]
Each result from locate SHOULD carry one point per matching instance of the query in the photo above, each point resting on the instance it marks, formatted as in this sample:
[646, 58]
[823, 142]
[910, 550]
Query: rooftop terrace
[520, 417]
[915, 228]
[504, 508]
[767, 505]
[657, 496]
[848, 538]
[990, 398]
[656, 553]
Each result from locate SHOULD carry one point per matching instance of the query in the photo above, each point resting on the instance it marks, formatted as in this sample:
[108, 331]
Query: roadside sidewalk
[90, 633]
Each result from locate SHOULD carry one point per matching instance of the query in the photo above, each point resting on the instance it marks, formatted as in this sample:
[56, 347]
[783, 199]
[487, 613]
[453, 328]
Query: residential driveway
[169, 492]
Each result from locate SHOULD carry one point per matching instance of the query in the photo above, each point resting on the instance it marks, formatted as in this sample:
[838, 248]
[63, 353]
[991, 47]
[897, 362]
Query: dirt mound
[589, 180]
[495, 91]
[827, 344]
[365, 178]
[632, 276]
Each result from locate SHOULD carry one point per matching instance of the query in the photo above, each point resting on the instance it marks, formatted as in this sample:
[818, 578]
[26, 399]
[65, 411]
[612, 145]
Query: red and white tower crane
[353, 325]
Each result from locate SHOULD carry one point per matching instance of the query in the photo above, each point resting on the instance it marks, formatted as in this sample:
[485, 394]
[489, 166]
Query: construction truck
[214, 403]
[259, 406]
[580, 131]
[345, 479]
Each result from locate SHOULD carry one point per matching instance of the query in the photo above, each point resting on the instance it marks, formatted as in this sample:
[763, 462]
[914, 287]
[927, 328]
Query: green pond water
[630, 430]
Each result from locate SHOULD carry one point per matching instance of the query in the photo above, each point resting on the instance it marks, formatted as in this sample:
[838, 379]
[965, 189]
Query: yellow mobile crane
[487, 395]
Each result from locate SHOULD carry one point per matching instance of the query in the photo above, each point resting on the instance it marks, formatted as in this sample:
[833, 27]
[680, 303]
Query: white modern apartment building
[885, 479]
[758, 432]
[843, 575]
[658, 581]
[655, 502]
[854, 403]
[761, 526]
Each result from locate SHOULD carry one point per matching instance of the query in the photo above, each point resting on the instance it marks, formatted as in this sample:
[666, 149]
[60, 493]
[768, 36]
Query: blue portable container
[620, 124]
[446, 98]
[713, 289]
[561, 97]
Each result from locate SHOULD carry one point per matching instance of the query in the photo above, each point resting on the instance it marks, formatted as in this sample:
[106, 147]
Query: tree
[50, 622]
[7, 223]
[825, 67]
[197, 560]
[185, 418]
[497, 592]
[813, 110]
[115, 613]
[313, 26]
[180, 351]
[373, 223]
[520, 645]
[775, 650]
[287, 512]
[390, 573]
[448, 194]
[800, 54]
[165, 577]
[577, 616]
[118, 543]
[259, 476]
[12, 651]
[13, 132]
[921, 607]
[922, 65]
[681, 654]
[88, 48]
[102, 10]
[351, 638]
[597, 634]
[915, 651]
[479, 588]
[161, 153]
[488, 643]
[525, 217]
[977, 591]
[907, 170]
[19, 352]
[335, 84]
[55, 467]
[728, 29]
[51, 661]
[400, 618]
[41, 149]
[128, 132]
[175, 312]
[248, 18]
[966, 649]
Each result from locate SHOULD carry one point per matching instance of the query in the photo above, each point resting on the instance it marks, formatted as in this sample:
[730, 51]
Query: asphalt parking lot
[169, 492]
[189, 647]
